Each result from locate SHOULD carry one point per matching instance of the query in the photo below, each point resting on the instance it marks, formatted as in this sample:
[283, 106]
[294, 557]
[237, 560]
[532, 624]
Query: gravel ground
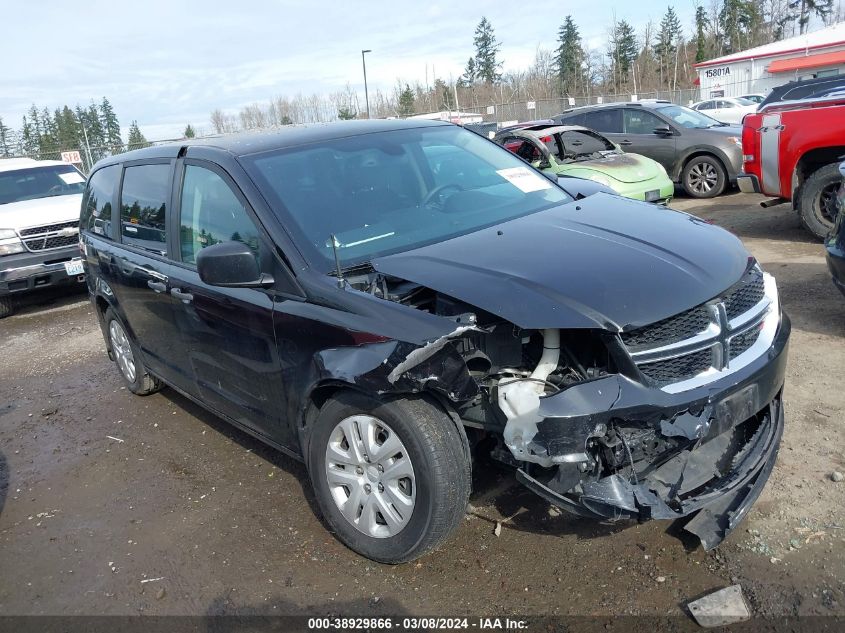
[114, 504]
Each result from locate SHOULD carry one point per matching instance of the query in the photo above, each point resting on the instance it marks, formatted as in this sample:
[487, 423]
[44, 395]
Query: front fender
[731, 166]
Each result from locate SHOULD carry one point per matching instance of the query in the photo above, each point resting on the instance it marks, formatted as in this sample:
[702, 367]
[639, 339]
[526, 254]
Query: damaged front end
[678, 436]
[681, 418]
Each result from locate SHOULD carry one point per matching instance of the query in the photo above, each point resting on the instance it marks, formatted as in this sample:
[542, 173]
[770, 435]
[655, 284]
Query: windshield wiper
[362, 267]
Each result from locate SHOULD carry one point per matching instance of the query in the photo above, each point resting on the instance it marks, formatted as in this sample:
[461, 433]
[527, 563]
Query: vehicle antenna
[340, 280]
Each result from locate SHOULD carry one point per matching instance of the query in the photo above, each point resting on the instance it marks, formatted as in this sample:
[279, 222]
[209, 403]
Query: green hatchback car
[572, 150]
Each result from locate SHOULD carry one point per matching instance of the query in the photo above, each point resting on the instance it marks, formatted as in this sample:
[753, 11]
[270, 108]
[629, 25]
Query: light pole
[366, 94]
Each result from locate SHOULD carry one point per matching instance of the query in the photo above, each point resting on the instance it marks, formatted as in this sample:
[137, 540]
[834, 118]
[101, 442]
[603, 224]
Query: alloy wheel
[370, 476]
[703, 177]
[122, 350]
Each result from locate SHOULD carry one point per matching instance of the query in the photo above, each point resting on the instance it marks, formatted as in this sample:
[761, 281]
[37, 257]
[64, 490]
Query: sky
[170, 63]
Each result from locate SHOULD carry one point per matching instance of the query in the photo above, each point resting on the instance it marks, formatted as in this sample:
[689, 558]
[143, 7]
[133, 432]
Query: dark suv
[699, 152]
[386, 299]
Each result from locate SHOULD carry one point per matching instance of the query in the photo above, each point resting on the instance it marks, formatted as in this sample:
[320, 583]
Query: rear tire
[400, 487]
[7, 307]
[128, 357]
[817, 202]
[704, 177]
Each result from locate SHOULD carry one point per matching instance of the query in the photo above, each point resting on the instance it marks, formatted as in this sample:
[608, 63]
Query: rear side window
[573, 119]
[641, 122]
[577, 143]
[607, 121]
[211, 213]
[96, 216]
[143, 205]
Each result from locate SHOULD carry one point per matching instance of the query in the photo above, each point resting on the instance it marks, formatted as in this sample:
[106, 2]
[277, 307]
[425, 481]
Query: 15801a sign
[724, 71]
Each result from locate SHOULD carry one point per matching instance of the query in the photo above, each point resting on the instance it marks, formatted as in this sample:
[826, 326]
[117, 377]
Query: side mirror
[663, 130]
[842, 169]
[230, 265]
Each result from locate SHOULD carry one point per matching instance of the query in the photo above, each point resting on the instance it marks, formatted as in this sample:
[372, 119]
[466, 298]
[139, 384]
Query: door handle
[157, 286]
[184, 297]
[626, 142]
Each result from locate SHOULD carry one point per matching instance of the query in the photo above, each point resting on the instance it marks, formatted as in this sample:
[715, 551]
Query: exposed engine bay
[589, 429]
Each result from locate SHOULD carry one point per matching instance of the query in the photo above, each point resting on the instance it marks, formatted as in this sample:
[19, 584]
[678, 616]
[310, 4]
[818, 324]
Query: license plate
[651, 196]
[74, 267]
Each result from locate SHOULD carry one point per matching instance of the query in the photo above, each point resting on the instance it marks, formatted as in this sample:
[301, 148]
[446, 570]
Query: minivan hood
[40, 211]
[603, 261]
[628, 168]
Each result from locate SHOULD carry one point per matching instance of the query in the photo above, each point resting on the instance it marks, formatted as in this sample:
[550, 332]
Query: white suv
[39, 226]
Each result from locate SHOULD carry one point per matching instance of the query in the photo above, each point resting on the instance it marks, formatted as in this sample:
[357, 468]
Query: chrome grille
[50, 236]
[48, 228]
[707, 337]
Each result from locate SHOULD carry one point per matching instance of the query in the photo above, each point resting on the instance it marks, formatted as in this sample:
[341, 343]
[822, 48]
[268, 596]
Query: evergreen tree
[470, 73]
[29, 140]
[136, 138]
[35, 122]
[68, 134]
[48, 143]
[739, 18]
[700, 37]
[5, 140]
[443, 95]
[406, 101]
[189, 131]
[569, 56]
[623, 51]
[111, 126]
[821, 8]
[94, 128]
[486, 48]
[667, 43]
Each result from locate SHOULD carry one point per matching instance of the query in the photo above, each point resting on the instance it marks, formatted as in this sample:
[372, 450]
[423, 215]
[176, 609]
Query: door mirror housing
[663, 130]
[231, 265]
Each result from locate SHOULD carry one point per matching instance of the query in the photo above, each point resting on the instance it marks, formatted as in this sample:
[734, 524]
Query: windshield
[40, 182]
[394, 191]
[685, 117]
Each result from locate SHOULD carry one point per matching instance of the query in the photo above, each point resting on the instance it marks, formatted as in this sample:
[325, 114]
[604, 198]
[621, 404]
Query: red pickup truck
[792, 150]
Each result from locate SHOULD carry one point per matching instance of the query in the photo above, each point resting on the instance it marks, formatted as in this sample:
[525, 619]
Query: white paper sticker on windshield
[524, 179]
[71, 178]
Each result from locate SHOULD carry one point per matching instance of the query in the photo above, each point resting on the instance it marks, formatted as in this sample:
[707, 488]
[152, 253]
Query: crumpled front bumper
[710, 481]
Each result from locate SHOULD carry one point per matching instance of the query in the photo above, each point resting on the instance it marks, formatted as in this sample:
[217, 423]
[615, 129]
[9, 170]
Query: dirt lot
[101, 491]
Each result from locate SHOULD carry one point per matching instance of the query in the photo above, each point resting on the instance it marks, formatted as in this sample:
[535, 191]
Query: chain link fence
[547, 108]
[87, 155]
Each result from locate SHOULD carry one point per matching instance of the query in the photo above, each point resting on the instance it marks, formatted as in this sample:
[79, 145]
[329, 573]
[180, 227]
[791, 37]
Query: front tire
[817, 203]
[704, 177]
[128, 358]
[391, 477]
[7, 307]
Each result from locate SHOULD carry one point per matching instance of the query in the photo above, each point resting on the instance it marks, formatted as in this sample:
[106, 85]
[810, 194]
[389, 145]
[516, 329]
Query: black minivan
[388, 300]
